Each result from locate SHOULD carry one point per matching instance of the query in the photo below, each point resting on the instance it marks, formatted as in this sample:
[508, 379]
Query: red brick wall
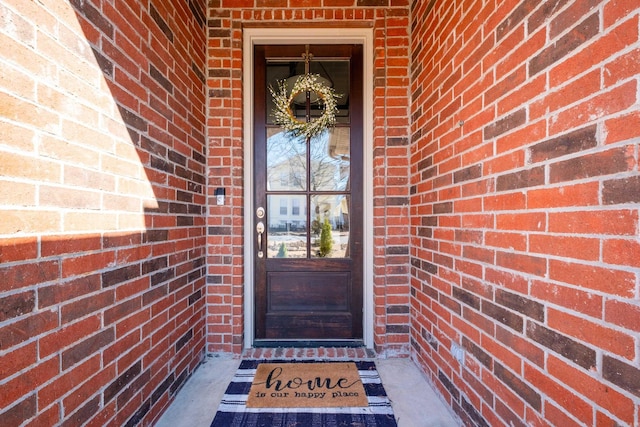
[525, 201]
[390, 20]
[102, 188]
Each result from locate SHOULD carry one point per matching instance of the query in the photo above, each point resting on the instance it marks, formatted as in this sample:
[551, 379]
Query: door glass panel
[339, 73]
[330, 226]
[287, 226]
[286, 162]
[279, 71]
[330, 160]
[335, 74]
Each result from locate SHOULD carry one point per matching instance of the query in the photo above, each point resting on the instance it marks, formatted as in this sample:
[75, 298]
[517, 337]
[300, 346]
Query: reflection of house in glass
[322, 167]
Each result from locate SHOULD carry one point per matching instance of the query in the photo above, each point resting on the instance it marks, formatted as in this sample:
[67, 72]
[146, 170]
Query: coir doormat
[234, 410]
[306, 385]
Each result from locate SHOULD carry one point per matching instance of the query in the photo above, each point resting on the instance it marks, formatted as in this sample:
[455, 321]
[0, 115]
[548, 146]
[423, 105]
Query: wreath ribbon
[284, 117]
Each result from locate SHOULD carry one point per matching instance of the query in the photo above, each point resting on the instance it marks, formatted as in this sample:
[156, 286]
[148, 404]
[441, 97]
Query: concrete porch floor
[414, 402]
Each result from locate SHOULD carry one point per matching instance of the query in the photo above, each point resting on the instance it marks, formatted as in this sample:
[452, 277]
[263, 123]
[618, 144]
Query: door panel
[314, 327]
[308, 253]
[303, 292]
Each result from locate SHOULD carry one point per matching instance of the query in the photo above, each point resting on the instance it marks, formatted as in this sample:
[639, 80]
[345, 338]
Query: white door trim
[251, 37]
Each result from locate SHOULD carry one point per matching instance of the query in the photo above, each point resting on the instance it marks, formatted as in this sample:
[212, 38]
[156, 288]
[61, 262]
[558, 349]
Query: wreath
[284, 117]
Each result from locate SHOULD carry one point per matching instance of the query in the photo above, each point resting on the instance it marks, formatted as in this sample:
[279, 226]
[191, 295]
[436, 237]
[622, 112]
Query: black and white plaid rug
[233, 411]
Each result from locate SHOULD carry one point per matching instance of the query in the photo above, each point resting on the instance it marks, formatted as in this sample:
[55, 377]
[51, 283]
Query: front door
[308, 212]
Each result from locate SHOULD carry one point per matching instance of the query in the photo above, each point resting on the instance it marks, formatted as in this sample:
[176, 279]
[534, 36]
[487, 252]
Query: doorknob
[260, 231]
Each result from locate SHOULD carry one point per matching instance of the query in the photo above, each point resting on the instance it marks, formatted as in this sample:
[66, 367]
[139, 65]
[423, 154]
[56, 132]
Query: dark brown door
[308, 200]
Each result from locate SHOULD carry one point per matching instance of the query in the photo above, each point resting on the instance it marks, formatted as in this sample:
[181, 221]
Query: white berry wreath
[284, 117]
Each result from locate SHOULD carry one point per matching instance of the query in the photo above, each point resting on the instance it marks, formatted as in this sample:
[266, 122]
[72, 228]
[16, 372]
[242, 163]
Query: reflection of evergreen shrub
[283, 252]
[316, 226]
[326, 240]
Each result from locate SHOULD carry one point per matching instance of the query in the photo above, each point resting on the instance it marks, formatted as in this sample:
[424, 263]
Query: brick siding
[524, 207]
[102, 188]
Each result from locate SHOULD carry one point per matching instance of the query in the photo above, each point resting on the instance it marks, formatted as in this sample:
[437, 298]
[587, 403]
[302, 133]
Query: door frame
[313, 35]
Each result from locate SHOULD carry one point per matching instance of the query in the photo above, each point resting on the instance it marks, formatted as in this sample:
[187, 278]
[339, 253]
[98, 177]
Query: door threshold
[307, 343]
[309, 353]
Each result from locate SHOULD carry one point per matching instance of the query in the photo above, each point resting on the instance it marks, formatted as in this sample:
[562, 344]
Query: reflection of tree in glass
[328, 167]
[326, 239]
[316, 225]
[286, 156]
[286, 159]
